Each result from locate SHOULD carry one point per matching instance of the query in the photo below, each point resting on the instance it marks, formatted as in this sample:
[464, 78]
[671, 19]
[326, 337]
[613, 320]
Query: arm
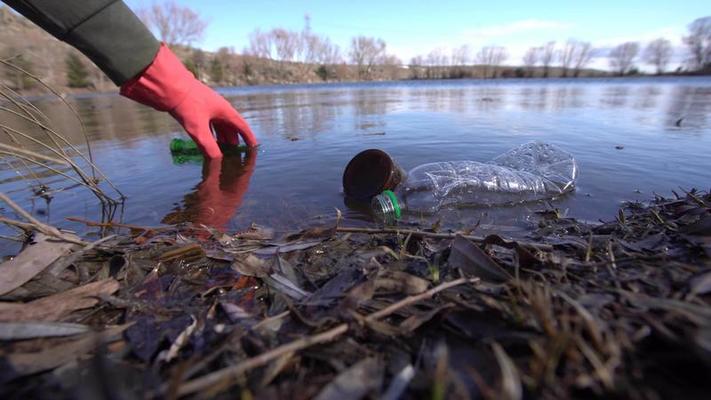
[111, 35]
[106, 31]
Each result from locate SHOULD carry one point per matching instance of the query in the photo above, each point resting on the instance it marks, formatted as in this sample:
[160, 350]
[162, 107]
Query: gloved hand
[167, 85]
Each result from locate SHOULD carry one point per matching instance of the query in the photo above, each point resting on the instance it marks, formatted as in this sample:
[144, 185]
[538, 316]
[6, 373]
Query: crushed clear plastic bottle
[532, 171]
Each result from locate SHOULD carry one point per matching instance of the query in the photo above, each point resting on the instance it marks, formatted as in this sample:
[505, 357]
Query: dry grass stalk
[64, 152]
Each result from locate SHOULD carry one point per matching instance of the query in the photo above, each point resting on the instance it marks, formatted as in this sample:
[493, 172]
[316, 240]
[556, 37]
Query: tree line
[281, 55]
[304, 56]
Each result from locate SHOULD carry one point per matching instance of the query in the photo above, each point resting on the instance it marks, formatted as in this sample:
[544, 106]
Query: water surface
[631, 137]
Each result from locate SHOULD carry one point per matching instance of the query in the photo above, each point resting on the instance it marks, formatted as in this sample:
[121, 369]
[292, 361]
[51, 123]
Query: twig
[39, 226]
[435, 235]
[413, 232]
[13, 149]
[221, 375]
[112, 224]
[214, 378]
[90, 161]
[414, 299]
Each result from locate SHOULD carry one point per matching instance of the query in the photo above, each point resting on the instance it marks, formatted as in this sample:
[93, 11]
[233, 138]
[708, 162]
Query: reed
[50, 150]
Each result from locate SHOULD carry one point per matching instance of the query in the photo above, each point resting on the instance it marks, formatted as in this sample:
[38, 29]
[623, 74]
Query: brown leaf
[31, 330]
[317, 232]
[415, 321]
[256, 232]
[702, 227]
[401, 282]
[58, 306]
[30, 363]
[31, 261]
[251, 266]
[701, 284]
[286, 247]
[474, 262]
[355, 382]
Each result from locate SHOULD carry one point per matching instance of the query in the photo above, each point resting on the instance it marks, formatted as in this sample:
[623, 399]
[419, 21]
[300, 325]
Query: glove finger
[234, 122]
[225, 133]
[202, 136]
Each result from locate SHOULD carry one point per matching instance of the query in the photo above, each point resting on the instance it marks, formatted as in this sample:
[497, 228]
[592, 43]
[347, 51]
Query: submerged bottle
[532, 171]
[187, 147]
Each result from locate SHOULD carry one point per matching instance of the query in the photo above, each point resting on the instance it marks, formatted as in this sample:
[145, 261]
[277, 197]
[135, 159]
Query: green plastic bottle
[186, 159]
[186, 147]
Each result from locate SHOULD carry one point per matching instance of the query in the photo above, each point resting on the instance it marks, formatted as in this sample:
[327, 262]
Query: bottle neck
[386, 207]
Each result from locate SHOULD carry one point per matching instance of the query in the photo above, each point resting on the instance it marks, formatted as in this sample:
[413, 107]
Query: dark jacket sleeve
[106, 31]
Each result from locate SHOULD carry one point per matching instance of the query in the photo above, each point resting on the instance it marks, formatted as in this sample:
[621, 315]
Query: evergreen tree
[19, 80]
[217, 71]
[77, 74]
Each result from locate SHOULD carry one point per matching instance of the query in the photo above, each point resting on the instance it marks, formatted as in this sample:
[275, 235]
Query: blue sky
[417, 27]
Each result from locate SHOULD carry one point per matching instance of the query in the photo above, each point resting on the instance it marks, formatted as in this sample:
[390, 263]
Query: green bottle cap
[393, 200]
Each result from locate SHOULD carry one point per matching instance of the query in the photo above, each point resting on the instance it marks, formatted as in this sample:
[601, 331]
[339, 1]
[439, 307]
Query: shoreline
[619, 308]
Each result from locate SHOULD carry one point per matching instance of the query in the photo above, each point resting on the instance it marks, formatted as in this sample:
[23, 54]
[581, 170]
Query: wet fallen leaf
[33, 259]
[474, 262]
[234, 312]
[399, 383]
[56, 307]
[29, 363]
[256, 232]
[701, 284]
[179, 342]
[510, 378]
[355, 382]
[415, 321]
[286, 247]
[401, 282]
[30, 330]
[251, 266]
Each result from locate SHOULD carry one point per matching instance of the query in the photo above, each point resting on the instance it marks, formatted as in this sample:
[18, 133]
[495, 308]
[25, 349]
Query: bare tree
[260, 44]
[566, 55]
[365, 53]
[699, 42]
[286, 43]
[461, 55]
[583, 55]
[547, 55]
[622, 57]
[390, 66]
[436, 62]
[491, 57]
[415, 66]
[657, 53]
[175, 24]
[530, 59]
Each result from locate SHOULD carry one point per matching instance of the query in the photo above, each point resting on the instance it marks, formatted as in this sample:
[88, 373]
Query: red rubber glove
[167, 85]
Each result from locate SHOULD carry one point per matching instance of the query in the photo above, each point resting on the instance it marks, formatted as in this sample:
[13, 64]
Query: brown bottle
[369, 173]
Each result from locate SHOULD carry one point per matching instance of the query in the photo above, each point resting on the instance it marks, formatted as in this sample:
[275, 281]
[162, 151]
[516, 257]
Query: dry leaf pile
[616, 309]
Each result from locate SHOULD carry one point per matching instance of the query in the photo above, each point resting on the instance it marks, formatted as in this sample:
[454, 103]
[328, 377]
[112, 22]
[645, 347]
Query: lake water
[308, 133]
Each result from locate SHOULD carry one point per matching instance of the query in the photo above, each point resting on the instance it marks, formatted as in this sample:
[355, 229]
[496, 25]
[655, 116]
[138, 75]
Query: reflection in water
[309, 132]
[647, 97]
[689, 108]
[220, 193]
[615, 96]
